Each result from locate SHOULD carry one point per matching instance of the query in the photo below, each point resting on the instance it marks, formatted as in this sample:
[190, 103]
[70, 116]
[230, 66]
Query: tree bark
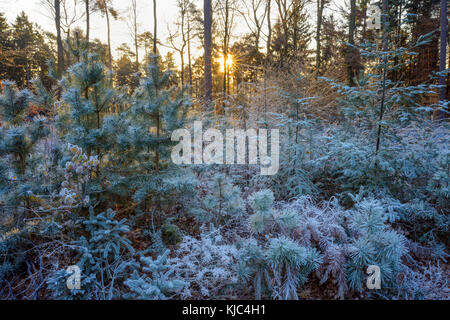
[398, 36]
[109, 35]
[88, 24]
[225, 50]
[189, 51]
[320, 7]
[443, 53]
[155, 29]
[351, 41]
[284, 17]
[158, 116]
[183, 44]
[207, 44]
[58, 38]
[385, 35]
[269, 27]
[135, 33]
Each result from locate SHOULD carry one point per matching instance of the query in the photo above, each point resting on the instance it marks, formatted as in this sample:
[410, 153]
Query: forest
[247, 150]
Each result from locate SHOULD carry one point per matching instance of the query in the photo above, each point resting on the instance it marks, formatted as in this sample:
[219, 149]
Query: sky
[166, 16]
[119, 29]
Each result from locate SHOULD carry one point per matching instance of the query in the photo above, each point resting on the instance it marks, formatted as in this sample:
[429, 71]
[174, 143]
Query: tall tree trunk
[182, 67]
[351, 41]
[294, 38]
[364, 19]
[155, 29]
[225, 50]
[258, 29]
[284, 16]
[399, 12]
[88, 24]
[269, 27]
[58, 38]
[320, 6]
[448, 78]
[207, 43]
[385, 19]
[158, 116]
[135, 33]
[67, 52]
[189, 52]
[183, 45]
[109, 35]
[443, 54]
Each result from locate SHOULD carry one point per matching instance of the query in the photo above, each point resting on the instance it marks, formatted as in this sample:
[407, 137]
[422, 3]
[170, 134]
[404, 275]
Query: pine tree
[18, 138]
[27, 38]
[5, 47]
[144, 138]
[223, 201]
[373, 244]
[89, 95]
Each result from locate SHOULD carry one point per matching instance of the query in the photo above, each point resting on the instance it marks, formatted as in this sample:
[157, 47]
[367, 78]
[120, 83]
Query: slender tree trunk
[136, 42]
[88, 24]
[158, 116]
[283, 13]
[228, 81]
[207, 43]
[182, 67]
[189, 52]
[28, 72]
[258, 29]
[351, 41]
[78, 45]
[364, 18]
[320, 7]
[294, 40]
[109, 36]
[58, 38]
[448, 78]
[225, 50]
[155, 29]
[385, 35]
[443, 55]
[269, 27]
[183, 45]
[67, 52]
[398, 37]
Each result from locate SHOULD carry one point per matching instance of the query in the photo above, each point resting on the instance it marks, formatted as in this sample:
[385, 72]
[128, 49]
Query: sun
[229, 62]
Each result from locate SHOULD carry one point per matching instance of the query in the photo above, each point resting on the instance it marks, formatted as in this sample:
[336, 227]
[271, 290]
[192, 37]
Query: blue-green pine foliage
[157, 280]
[143, 141]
